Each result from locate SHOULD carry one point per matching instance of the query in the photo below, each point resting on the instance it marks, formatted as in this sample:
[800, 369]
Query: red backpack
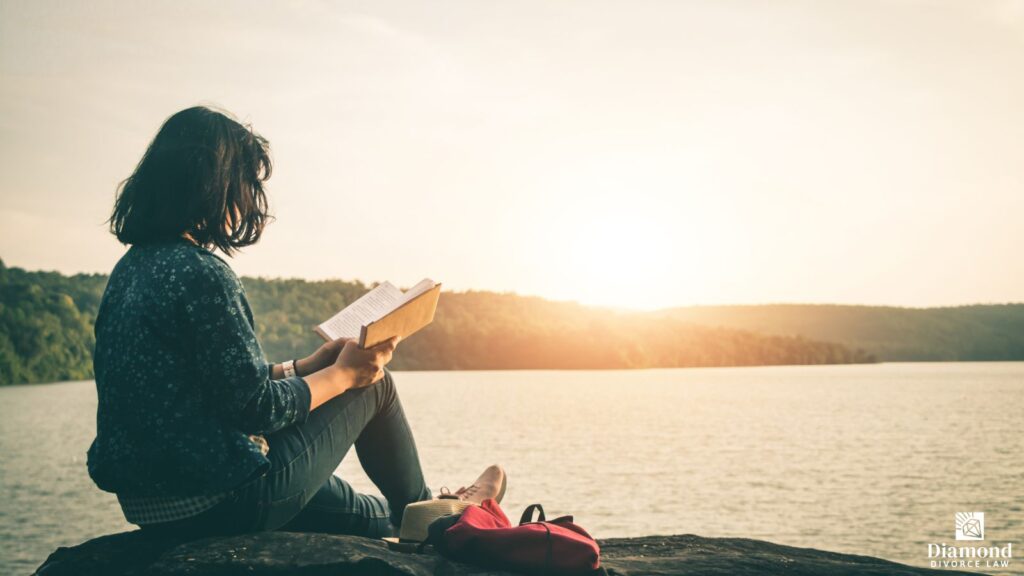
[483, 535]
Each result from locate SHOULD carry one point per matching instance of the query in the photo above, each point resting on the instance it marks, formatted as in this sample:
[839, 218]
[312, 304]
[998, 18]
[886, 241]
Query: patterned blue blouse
[181, 379]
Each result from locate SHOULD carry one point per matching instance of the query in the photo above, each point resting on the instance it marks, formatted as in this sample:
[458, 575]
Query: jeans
[300, 491]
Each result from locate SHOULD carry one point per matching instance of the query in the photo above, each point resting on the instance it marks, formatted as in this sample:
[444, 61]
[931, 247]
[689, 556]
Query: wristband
[289, 369]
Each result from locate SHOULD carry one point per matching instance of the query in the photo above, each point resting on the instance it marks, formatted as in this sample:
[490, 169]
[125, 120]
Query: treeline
[46, 323]
[487, 330]
[957, 333]
[46, 331]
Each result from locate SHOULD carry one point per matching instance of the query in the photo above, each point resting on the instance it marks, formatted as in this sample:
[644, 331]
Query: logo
[970, 555]
[970, 525]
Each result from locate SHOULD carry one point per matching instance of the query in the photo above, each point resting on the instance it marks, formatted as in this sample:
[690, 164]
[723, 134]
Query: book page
[420, 287]
[404, 320]
[369, 307]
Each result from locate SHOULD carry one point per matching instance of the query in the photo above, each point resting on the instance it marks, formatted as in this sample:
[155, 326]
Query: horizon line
[582, 304]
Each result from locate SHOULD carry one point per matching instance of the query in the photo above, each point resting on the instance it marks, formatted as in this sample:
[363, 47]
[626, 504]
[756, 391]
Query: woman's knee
[387, 391]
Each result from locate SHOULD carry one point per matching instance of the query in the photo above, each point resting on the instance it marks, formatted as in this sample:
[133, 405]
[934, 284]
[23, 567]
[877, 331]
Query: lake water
[872, 459]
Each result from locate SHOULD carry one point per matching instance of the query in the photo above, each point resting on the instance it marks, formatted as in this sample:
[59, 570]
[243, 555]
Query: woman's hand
[365, 366]
[353, 367]
[324, 356]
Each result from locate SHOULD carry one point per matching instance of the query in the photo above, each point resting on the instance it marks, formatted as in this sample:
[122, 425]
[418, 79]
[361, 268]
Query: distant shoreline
[46, 331]
[759, 367]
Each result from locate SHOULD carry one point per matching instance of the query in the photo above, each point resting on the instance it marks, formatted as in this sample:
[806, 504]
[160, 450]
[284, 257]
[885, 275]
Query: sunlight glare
[633, 237]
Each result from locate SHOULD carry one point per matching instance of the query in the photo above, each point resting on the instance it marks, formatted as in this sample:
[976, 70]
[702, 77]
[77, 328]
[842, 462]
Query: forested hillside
[46, 325]
[979, 332]
[46, 331]
[487, 330]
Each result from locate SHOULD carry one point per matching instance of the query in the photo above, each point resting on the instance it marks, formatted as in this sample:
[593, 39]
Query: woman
[196, 432]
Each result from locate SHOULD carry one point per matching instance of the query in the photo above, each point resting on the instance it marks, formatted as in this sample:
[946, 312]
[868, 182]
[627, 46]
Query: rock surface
[281, 553]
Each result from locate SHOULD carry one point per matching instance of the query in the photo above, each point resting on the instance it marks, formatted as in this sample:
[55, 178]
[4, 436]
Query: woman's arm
[232, 371]
[324, 356]
[229, 366]
[353, 368]
[329, 374]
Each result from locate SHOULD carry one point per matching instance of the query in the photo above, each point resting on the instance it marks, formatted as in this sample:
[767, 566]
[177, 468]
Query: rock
[693, 555]
[281, 553]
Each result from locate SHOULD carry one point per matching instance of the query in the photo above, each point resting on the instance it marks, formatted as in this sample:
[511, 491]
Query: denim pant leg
[388, 455]
[338, 509]
[303, 459]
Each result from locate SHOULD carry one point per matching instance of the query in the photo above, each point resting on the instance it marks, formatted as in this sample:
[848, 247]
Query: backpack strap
[549, 556]
[528, 514]
[527, 518]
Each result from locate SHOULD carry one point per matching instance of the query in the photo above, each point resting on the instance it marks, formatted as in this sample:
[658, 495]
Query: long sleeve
[233, 373]
[182, 383]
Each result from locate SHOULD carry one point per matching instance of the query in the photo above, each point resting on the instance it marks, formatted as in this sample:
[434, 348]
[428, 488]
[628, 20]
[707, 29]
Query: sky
[632, 154]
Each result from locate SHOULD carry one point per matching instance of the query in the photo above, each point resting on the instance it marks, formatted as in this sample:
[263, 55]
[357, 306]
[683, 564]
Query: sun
[628, 237]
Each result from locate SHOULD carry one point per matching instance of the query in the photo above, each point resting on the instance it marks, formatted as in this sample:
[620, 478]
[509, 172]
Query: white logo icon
[970, 525]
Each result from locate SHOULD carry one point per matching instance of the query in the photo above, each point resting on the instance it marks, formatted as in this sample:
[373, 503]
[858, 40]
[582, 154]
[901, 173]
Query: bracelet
[289, 369]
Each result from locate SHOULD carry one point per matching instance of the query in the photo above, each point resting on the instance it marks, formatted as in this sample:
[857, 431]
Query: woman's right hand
[365, 366]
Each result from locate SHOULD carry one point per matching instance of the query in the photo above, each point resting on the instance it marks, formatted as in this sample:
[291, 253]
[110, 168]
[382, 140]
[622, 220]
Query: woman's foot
[490, 484]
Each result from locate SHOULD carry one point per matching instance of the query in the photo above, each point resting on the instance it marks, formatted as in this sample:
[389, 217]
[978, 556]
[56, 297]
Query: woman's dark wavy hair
[203, 176]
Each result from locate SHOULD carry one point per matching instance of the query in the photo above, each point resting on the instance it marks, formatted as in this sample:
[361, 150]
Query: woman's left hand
[324, 356]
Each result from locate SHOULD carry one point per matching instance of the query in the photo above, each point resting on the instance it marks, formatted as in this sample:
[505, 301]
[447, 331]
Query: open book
[383, 313]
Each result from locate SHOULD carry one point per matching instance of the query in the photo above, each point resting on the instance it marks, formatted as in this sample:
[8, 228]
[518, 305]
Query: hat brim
[400, 546]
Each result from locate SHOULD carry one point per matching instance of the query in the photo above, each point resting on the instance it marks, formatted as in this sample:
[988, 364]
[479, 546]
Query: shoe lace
[465, 492]
[461, 493]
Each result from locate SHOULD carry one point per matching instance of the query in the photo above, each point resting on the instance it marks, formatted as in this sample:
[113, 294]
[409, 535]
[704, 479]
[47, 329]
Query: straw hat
[418, 516]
